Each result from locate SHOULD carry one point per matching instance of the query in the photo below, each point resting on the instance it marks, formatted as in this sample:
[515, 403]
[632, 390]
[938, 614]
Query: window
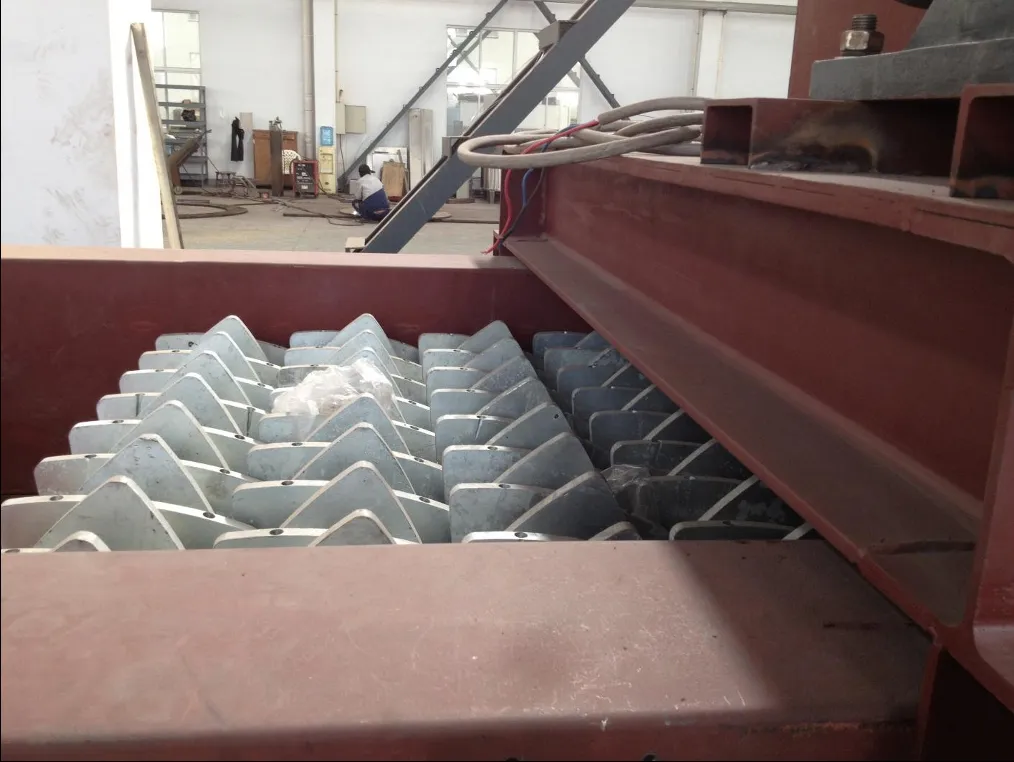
[489, 63]
[175, 41]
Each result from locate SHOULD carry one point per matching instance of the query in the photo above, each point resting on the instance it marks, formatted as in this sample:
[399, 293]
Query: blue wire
[524, 187]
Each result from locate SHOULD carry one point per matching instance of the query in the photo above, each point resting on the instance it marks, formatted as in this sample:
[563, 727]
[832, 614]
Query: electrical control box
[350, 120]
[355, 120]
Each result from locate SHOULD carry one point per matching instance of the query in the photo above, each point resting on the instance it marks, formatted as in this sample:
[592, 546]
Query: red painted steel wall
[73, 320]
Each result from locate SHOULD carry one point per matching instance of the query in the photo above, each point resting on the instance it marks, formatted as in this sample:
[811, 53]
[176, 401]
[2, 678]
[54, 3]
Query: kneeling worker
[370, 199]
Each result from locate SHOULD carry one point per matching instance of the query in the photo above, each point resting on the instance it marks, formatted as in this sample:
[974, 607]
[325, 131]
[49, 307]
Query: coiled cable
[613, 133]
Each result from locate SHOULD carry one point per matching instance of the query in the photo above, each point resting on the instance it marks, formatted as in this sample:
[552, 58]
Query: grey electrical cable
[614, 135]
[661, 122]
[615, 147]
[655, 104]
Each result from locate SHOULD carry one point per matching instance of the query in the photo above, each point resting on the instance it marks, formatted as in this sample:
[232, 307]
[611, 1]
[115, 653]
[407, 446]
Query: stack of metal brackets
[482, 443]
[187, 455]
[671, 478]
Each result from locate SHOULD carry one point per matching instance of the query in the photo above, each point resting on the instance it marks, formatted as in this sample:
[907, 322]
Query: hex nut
[861, 42]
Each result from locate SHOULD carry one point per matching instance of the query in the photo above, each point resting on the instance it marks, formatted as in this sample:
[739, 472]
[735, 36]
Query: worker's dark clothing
[238, 133]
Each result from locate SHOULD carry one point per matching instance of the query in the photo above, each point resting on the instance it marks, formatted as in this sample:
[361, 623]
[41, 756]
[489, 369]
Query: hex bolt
[865, 22]
[862, 39]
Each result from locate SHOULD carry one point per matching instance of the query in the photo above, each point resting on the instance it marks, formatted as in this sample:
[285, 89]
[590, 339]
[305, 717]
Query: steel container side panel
[75, 319]
[599, 650]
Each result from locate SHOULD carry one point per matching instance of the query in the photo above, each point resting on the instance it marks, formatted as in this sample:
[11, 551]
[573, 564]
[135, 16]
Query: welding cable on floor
[612, 134]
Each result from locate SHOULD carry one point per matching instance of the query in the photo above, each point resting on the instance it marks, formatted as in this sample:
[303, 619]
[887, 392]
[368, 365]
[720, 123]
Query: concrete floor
[265, 227]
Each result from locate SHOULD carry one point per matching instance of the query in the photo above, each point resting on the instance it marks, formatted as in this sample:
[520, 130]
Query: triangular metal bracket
[358, 486]
[119, 512]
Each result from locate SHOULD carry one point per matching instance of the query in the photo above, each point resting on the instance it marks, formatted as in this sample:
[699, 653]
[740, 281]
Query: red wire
[507, 176]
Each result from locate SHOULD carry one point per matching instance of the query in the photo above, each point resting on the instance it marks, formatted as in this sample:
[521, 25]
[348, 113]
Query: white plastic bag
[618, 477]
[326, 391]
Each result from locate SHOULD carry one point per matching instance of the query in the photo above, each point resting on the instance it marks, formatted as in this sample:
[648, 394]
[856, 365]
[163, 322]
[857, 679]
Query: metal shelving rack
[175, 131]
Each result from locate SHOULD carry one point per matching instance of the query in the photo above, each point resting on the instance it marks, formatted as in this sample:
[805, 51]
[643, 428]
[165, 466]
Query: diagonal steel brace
[587, 67]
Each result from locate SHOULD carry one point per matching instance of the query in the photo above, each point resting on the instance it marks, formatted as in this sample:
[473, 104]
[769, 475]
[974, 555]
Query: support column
[78, 163]
[709, 53]
[325, 87]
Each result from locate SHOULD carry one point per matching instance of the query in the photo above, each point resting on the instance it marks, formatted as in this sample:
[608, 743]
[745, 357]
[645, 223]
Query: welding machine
[305, 177]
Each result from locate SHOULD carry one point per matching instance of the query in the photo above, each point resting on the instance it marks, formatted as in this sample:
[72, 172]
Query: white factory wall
[756, 55]
[251, 60]
[77, 160]
[647, 53]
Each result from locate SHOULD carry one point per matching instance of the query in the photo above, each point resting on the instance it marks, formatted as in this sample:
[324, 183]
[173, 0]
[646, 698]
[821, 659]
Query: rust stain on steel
[983, 163]
[893, 137]
[569, 650]
[63, 348]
